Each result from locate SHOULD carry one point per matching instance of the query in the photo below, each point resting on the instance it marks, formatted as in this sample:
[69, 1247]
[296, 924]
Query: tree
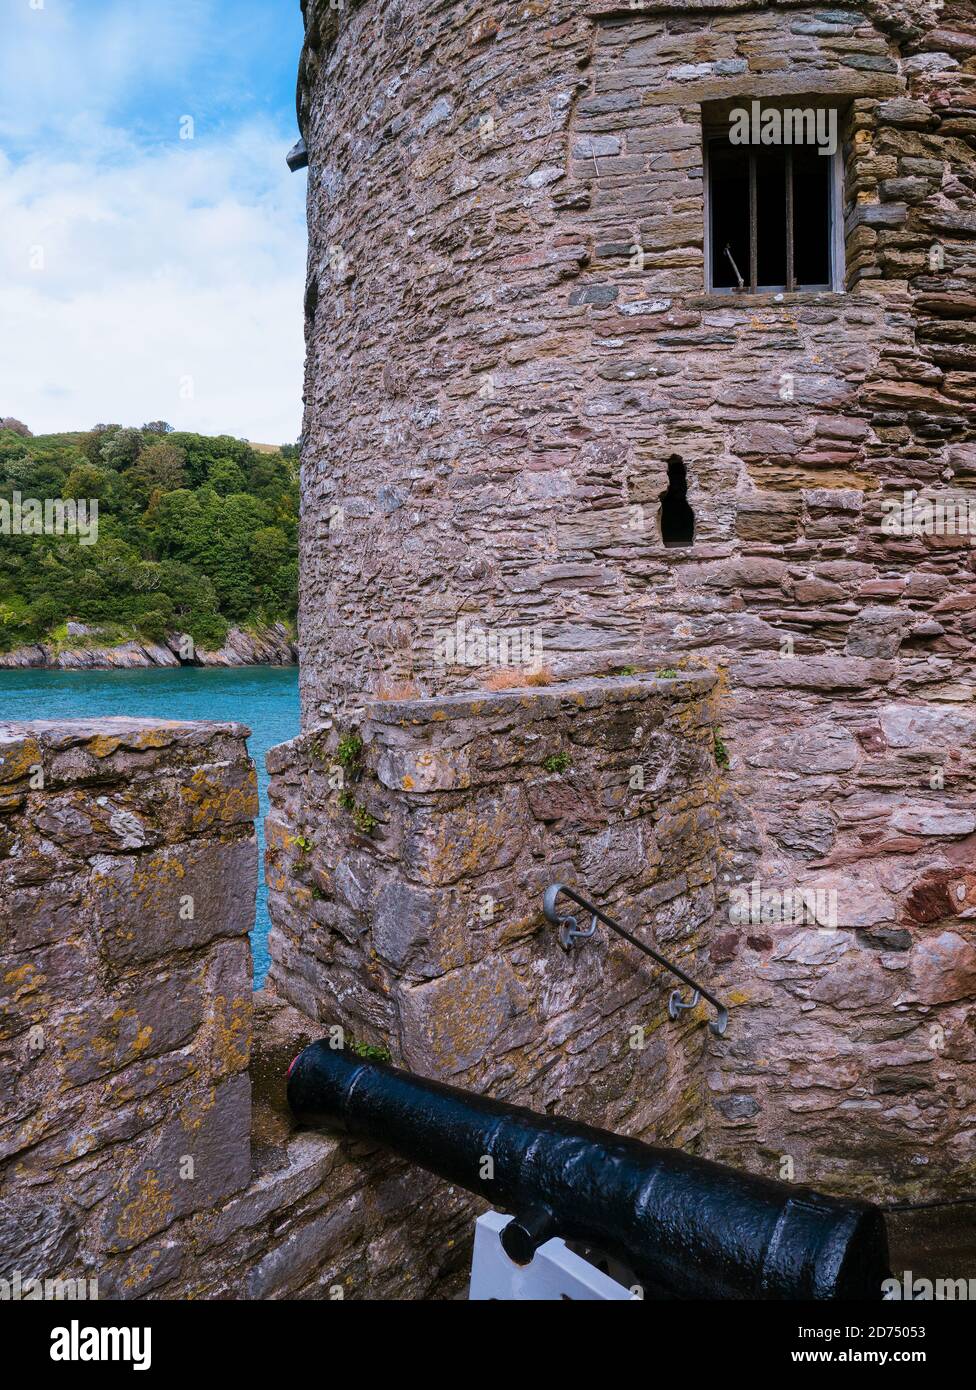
[18, 469]
[231, 524]
[121, 449]
[204, 450]
[86, 481]
[157, 427]
[176, 524]
[10, 626]
[280, 594]
[270, 475]
[269, 551]
[225, 477]
[44, 614]
[194, 533]
[152, 625]
[18, 426]
[91, 443]
[163, 466]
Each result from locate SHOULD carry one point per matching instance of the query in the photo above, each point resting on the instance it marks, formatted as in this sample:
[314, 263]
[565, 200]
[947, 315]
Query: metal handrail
[569, 934]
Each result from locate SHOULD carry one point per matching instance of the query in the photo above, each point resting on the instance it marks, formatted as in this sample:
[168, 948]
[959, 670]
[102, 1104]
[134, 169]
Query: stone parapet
[127, 889]
[145, 1142]
[407, 862]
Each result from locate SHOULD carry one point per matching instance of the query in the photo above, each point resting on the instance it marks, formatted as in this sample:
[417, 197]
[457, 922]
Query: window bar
[753, 224]
[790, 264]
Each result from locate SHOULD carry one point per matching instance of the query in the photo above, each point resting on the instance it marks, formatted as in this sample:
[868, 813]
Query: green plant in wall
[667, 673]
[557, 762]
[363, 819]
[370, 1051]
[721, 751]
[349, 755]
[318, 749]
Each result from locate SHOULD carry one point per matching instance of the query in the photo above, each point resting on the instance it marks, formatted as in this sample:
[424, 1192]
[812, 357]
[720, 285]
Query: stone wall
[495, 384]
[407, 864]
[851, 1062]
[493, 387]
[128, 873]
[145, 1140]
[407, 860]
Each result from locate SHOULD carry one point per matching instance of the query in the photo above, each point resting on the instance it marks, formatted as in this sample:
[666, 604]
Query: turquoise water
[263, 697]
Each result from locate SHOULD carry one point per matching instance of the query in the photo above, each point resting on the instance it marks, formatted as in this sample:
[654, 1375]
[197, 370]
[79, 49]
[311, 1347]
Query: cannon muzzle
[687, 1227]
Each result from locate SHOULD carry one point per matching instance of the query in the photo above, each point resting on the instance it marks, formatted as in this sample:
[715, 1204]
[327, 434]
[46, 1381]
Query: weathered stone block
[944, 968]
[38, 1237]
[317, 1245]
[461, 1019]
[127, 987]
[195, 1160]
[173, 899]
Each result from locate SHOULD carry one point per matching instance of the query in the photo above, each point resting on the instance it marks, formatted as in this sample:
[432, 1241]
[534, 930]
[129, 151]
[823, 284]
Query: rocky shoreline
[272, 646]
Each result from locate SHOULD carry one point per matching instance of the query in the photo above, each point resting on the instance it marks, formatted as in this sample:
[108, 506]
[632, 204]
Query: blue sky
[152, 239]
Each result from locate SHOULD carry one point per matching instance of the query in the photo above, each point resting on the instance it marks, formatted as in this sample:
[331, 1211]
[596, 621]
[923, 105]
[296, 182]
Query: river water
[265, 698]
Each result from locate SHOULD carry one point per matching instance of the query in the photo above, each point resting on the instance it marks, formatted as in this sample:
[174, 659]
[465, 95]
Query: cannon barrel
[687, 1227]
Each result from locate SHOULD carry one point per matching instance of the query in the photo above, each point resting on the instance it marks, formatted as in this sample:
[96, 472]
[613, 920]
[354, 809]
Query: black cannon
[687, 1227]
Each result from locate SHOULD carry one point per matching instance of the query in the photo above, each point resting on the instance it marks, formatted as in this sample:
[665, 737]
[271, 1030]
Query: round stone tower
[552, 411]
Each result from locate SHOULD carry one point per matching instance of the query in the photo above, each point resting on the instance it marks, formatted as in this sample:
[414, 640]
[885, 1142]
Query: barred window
[772, 217]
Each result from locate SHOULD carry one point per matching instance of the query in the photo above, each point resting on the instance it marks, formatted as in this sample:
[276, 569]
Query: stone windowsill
[782, 299]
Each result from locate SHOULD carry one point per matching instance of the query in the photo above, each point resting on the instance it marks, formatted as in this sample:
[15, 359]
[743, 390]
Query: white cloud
[131, 260]
[125, 273]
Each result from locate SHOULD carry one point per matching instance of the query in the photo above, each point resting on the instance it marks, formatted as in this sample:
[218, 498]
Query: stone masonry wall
[853, 1051]
[406, 890]
[145, 1141]
[495, 384]
[128, 873]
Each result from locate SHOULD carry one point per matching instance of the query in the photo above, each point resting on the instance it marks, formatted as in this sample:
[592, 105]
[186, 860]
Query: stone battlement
[408, 857]
[145, 1143]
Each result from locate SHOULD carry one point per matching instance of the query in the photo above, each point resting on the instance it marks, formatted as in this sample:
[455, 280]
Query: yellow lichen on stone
[208, 800]
[24, 980]
[139, 1275]
[299, 894]
[739, 996]
[467, 1015]
[195, 1110]
[464, 844]
[17, 976]
[103, 745]
[147, 1212]
[231, 1033]
[146, 894]
[17, 763]
[155, 738]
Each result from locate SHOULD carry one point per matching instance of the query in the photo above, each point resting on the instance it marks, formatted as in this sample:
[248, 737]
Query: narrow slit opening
[677, 517]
